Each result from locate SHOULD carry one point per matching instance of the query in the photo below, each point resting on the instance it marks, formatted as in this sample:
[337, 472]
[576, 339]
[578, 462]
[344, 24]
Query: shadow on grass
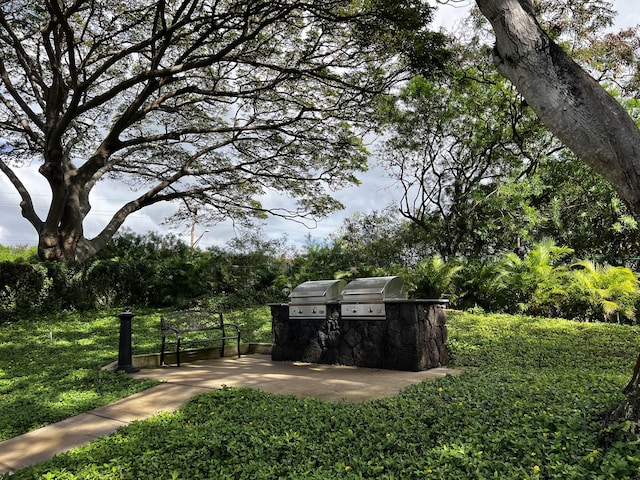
[50, 369]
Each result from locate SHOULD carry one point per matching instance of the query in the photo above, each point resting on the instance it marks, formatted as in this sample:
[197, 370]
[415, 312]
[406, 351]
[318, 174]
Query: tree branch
[569, 101]
[26, 204]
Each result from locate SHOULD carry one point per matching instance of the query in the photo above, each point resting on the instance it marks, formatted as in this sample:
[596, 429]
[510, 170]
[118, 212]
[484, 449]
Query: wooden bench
[192, 327]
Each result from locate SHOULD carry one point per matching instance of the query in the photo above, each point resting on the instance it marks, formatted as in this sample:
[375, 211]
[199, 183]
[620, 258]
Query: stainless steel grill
[309, 299]
[364, 297]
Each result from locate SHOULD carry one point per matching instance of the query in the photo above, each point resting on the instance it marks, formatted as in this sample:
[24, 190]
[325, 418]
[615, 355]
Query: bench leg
[178, 351]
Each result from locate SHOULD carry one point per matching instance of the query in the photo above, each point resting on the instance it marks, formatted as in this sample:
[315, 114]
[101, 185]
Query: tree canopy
[577, 109]
[571, 103]
[207, 101]
[480, 173]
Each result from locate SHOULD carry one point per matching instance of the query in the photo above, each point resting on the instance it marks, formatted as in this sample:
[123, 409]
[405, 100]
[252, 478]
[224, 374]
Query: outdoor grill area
[367, 323]
[310, 299]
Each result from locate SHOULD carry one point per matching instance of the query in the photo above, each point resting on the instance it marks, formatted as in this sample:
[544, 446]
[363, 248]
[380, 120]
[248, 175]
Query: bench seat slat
[194, 329]
[184, 341]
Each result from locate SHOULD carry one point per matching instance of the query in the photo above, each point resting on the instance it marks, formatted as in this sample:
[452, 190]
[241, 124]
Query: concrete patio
[327, 382]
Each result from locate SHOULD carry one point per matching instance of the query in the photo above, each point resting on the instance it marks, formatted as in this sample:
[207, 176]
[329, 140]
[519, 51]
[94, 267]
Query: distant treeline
[160, 271]
[143, 271]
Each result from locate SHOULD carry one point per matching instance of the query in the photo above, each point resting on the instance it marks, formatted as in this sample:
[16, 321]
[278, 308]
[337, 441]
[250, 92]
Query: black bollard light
[125, 357]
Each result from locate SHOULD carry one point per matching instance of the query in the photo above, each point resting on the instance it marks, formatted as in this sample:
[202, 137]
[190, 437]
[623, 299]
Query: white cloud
[451, 12]
[628, 13]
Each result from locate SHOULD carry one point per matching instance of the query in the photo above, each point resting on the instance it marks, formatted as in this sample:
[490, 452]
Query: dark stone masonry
[412, 337]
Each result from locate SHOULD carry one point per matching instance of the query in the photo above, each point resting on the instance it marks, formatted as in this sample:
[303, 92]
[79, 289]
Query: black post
[125, 357]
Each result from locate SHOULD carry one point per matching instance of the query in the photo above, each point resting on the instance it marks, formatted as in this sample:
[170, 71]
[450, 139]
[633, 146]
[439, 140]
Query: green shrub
[540, 283]
[69, 288]
[24, 288]
[478, 287]
[162, 272]
[604, 292]
[18, 253]
[534, 284]
[433, 278]
[143, 271]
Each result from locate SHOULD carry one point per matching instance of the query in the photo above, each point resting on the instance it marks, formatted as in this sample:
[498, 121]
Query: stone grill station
[367, 323]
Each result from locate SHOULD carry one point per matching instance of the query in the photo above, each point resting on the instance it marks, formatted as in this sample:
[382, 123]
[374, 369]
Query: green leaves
[528, 407]
[432, 278]
[542, 282]
[403, 27]
[455, 143]
[481, 174]
[212, 103]
[606, 289]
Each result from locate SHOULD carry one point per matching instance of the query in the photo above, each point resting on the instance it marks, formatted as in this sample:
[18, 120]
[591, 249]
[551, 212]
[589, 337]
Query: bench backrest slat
[192, 320]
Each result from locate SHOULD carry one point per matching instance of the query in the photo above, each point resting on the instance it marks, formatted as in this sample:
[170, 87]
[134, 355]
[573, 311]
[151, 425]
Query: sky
[374, 193]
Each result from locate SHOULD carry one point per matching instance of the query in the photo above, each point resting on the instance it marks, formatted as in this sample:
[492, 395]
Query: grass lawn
[50, 367]
[529, 409]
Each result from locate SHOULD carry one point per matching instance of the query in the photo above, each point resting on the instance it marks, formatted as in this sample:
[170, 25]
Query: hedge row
[198, 279]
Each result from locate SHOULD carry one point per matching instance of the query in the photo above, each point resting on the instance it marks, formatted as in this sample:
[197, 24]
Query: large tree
[457, 147]
[478, 171]
[208, 102]
[571, 103]
[576, 108]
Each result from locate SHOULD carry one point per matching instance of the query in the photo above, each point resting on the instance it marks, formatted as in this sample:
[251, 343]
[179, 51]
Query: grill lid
[317, 291]
[374, 289]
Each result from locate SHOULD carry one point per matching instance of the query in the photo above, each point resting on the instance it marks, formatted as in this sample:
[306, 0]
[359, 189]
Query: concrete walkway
[328, 382]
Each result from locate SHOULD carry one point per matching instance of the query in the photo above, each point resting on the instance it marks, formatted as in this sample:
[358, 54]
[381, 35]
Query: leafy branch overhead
[213, 102]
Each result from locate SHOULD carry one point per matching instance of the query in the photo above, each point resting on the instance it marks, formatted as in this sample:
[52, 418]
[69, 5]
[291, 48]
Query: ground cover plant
[528, 406]
[50, 369]
[50, 366]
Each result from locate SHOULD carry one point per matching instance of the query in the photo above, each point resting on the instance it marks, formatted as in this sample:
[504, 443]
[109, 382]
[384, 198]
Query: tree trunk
[629, 408]
[62, 231]
[568, 100]
[53, 246]
[576, 109]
